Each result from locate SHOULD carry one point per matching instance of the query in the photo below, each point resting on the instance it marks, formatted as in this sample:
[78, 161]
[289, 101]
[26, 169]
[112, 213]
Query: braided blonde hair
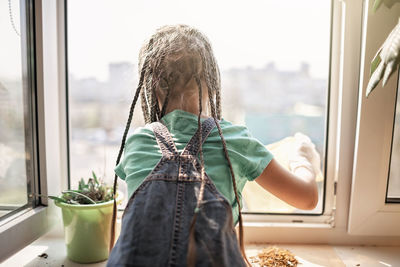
[176, 55]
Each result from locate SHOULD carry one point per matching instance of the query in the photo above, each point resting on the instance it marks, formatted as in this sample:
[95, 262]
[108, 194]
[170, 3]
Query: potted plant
[87, 214]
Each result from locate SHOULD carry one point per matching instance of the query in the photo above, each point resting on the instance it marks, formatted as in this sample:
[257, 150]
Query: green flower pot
[87, 230]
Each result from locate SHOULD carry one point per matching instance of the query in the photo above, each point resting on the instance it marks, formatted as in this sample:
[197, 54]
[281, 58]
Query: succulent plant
[94, 191]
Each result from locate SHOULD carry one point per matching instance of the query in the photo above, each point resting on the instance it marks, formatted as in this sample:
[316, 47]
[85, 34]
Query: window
[274, 61]
[374, 206]
[23, 218]
[17, 168]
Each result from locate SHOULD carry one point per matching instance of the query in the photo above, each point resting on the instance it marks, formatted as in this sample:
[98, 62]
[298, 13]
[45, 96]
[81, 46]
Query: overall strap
[193, 146]
[164, 139]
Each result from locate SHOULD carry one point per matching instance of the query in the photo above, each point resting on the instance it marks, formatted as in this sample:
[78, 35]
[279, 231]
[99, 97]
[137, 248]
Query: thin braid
[145, 109]
[165, 103]
[146, 56]
[212, 75]
[191, 257]
[155, 80]
[216, 86]
[157, 55]
[218, 103]
[121, 149]
[156, 109]
[218, 99]
[154, 106]
[201, 194]
[241, 243]
[146, 99]
[213, 87]
[152, 81]
[153, 99]
[149, 96]
[164, 106]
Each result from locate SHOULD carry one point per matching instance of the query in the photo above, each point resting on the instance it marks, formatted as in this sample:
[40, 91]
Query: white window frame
[27, 225]
[369, 214]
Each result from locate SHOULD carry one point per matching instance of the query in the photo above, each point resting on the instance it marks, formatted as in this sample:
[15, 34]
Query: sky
[10, 42]
[242, 33]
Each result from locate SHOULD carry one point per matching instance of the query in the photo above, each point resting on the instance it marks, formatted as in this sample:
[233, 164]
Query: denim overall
[157, 218]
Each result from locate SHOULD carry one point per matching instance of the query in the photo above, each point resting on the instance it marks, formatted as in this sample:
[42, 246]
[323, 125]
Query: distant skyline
[251, 33]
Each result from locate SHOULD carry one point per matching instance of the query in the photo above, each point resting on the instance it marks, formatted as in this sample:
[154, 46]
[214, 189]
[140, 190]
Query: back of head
[169, 62]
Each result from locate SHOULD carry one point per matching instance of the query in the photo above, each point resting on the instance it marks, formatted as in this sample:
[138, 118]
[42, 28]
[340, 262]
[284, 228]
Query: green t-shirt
[248, 156]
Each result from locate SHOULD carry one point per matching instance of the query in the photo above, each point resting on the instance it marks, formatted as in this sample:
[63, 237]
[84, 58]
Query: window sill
[308, 255]
[21, 229]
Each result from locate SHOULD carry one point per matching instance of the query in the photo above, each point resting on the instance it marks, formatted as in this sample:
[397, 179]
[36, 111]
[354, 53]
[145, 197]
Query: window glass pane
[393, 190]
[274, 61]
[15, 113]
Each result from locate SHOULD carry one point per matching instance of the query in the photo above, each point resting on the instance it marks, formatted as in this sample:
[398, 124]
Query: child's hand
[304, 155]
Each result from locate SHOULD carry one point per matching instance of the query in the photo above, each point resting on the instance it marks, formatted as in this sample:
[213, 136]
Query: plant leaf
[59, 199]
[374, 63]
[71, 201]
[82, 184]
[95, 178]
[387, 3]
[91, 192]
[375, 78]
[386, 59]
[79, 194]
[390, 68]
[377, 4]
[75, 190]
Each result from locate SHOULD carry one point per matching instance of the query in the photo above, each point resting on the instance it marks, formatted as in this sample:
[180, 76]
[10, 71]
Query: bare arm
[296, 186]
[298, 189]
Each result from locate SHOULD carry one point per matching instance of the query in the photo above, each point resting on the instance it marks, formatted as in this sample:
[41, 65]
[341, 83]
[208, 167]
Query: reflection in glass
[274, 61]
[393, 189]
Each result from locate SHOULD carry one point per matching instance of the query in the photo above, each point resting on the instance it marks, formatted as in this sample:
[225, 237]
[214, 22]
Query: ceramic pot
[87, 230]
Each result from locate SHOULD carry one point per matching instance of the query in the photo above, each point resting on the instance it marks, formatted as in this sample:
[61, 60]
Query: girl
[180, 87]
